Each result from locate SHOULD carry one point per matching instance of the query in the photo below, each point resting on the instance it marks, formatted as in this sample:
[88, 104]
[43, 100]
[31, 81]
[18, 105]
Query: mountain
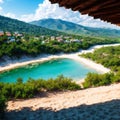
[12, 25]
[72, 28]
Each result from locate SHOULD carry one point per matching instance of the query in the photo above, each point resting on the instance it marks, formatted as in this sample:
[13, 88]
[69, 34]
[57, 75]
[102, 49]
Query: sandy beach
[101, 103]
[9, 64]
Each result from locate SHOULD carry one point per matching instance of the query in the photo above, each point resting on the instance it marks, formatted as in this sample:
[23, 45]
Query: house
[59, 39]
[8, 34]
[11, 39]
[75, 40]
[67, 41]
[52, 37]
[66, 37]
[17, 34]
[1, 33]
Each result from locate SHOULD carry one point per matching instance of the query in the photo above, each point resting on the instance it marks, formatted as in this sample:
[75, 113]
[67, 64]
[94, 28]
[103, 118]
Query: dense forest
[110, 58]
[12, 25]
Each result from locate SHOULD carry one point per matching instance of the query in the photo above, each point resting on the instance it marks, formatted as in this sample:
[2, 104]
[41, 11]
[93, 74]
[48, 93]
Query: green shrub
[95, 79]
[33, 87]
[2, 106]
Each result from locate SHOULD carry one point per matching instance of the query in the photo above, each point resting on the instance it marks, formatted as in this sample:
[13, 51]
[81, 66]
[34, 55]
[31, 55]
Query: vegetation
[2, 105]
[12, 25]
[109, 57]
[31, 46]
[33, 87]
[95, 79]
[72, 28]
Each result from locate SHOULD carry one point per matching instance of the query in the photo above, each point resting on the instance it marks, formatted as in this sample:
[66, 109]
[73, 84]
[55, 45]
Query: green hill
[72, 28]
[12, 25]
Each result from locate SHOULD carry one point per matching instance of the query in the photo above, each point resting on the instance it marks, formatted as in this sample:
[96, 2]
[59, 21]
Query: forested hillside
[12, 25]
[72, 28]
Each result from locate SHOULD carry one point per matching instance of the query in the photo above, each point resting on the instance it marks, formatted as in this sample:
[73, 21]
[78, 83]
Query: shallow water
[50, 69]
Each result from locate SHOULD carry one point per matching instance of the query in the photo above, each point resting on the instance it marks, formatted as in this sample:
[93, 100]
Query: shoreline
[25, 60]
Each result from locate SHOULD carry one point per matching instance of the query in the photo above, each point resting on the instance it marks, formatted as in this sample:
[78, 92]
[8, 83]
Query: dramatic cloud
[48, 10]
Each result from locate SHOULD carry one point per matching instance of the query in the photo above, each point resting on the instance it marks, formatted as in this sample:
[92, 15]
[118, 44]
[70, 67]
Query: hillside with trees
[72, 28]
[13, 25]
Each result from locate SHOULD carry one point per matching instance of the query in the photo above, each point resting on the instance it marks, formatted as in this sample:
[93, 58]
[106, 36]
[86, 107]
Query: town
[16, 36]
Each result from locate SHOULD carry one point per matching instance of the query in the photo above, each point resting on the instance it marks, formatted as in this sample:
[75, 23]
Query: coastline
[12, 64]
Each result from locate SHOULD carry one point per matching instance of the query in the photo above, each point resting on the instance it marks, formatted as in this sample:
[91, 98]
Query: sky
[31, 10]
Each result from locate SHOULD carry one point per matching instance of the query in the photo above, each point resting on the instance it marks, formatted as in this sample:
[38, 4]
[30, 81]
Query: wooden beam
[107, 10]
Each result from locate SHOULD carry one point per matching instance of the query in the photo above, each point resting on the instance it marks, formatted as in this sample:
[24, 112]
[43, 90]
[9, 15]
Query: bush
[33, 87]
[95, 79]
[2, 106]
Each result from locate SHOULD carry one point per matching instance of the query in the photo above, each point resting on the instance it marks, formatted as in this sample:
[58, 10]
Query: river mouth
[46, 70]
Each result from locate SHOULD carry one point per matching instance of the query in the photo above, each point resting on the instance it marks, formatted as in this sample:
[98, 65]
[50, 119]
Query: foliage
[65, 26]
[107, 56]
[33, 87]
[95, 79]
[36, 47]
[12, 25]
[2, 105]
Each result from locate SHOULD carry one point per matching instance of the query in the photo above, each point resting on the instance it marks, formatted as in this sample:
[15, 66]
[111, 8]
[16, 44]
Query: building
[8, 34]
[1, 33]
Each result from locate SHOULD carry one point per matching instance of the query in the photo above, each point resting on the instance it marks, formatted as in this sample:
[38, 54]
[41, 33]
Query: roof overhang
[107, 10]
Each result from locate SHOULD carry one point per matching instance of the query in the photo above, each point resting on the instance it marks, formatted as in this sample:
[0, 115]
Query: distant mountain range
[72, 28]
[53, 27]
[12, 25]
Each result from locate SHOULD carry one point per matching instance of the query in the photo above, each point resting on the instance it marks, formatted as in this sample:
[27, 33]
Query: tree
[2, 106]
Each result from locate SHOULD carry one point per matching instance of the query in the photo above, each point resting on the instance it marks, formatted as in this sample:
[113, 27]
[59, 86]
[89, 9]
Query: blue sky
[31, 10]
[20, 7]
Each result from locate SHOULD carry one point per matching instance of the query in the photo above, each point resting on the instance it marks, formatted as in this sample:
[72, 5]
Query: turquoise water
[49, 69]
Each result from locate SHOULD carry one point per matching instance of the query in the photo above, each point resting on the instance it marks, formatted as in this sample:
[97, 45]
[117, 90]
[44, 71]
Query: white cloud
[1, 9]
[48, 10]
[1, 1]
[11, 15]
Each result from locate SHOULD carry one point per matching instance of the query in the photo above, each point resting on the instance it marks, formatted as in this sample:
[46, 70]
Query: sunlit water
[49, 69]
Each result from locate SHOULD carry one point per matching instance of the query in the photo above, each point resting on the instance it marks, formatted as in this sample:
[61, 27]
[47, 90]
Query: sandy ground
[102, 103]
[14, 63]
